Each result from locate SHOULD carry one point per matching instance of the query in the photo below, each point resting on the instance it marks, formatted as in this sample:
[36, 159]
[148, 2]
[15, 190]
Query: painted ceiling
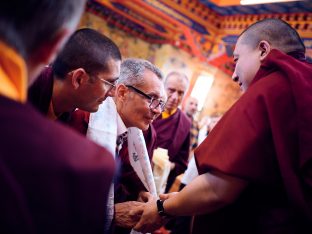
[286, 7]
[205, 29]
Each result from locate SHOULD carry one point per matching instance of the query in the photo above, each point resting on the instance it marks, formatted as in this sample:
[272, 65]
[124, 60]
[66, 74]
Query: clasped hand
[141, 215]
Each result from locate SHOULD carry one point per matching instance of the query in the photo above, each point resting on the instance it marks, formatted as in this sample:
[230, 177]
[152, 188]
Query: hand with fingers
[144, 196]
[127, 214]
[153, 216]
[150, 219]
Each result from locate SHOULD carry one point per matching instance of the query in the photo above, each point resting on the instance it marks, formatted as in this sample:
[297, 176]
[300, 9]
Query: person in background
[255, 166]
[173, 126]
[191, 108]
[47, 186]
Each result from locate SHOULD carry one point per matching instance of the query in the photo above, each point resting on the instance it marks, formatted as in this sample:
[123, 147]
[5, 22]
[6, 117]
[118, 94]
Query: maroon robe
[52, 179]
[40, 94]
[173, 133]
[265, 139]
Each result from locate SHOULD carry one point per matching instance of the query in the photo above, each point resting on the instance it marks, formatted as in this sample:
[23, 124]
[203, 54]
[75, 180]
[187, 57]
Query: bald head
[177, 75]
[276, 32]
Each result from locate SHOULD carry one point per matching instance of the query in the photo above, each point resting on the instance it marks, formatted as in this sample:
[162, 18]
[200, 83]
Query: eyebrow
[113, 80]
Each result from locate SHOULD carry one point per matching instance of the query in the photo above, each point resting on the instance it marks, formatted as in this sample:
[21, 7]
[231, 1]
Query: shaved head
[277, 33]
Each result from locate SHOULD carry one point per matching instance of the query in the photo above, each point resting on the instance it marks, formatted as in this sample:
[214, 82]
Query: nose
[235, 77]
[174, 95]
[157, 110]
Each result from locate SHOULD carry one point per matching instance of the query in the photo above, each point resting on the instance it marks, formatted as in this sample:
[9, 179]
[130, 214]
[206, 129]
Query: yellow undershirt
[13, 74]
[166, 114]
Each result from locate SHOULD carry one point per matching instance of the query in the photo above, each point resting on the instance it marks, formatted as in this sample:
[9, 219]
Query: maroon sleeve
[242, 144]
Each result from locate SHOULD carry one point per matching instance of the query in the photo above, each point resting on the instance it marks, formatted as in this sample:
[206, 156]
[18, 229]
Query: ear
[78, 77]
[121, 92]
[264, 48]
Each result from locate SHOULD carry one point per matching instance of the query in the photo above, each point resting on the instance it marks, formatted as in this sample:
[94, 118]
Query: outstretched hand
[167, 195]
[144, 196]
[150, 219]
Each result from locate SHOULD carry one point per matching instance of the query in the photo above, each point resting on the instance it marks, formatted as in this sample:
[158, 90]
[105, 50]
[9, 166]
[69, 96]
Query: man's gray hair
[132, 69]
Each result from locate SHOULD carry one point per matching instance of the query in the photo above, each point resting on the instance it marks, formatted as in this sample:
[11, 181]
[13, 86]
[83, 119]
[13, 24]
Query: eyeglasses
[111, 85]
[154, 103]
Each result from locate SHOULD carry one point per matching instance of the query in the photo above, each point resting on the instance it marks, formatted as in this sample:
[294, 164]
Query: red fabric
[40, 94]
[173, 133]
[265, 138]
[52, 180]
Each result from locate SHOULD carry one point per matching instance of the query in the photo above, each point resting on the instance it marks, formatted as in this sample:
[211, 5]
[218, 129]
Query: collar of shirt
[167, 114]
[13, 73]
[121, 132]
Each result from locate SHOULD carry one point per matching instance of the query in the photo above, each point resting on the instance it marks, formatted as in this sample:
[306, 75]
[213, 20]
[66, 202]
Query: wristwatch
[161, 209]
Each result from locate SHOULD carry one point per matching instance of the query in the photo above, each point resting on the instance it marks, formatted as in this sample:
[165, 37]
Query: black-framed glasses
[154, 103]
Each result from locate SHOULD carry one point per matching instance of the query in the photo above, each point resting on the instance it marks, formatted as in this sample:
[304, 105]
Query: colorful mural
[286, 7]
[193, 35]
[201, 28]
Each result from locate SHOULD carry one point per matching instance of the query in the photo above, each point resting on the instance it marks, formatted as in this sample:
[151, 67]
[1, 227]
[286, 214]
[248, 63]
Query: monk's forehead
[192, 100]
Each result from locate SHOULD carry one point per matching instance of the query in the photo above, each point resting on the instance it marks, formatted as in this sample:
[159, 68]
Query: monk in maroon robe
[256, 164]
[83, 82]
[52, 180]
[173, 126]
[46, 182]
